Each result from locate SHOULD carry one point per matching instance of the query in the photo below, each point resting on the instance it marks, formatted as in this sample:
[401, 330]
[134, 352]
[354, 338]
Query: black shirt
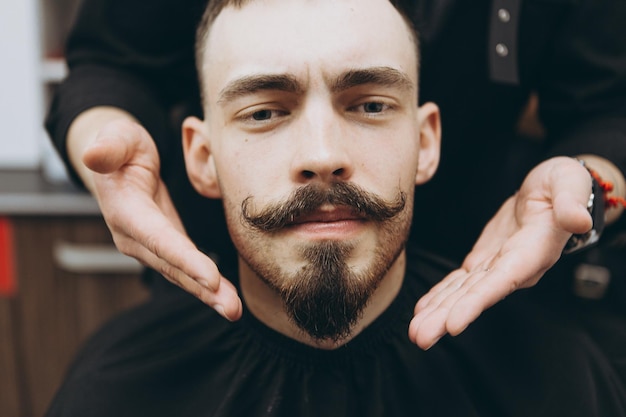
[175, 356]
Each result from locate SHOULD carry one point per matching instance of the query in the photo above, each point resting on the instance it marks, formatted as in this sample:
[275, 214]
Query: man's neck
[266, 305]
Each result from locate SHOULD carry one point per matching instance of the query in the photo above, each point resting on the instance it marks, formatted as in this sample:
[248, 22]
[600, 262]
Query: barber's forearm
[608, 172]
[83, 132]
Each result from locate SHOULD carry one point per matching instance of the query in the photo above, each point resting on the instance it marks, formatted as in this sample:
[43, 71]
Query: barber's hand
[518, 245]
[141, 216]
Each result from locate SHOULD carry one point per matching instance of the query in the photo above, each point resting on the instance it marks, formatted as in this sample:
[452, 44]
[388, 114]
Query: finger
[442, 286]
[140, 223]
[431, 323]
[225, 300]
[220, 294]
[160, 237]
[476, 262]
[136, 221]
[453, 311]
[513, 270]
[426, 334]
[468, 301]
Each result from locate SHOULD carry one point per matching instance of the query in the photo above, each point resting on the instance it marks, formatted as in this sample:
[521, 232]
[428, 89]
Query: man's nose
[323, 150]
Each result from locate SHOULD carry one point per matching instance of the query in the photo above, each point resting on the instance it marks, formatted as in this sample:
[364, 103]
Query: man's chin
[328, 343]
[325, 334]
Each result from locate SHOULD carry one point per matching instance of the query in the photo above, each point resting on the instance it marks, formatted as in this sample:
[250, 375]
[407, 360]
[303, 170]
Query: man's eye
[373, 107]
[265, 115]
[262, 115]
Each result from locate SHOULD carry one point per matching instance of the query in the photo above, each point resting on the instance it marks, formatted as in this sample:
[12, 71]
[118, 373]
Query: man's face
[312, 139]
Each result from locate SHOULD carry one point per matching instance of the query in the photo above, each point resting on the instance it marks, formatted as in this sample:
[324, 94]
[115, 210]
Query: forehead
[307, 38]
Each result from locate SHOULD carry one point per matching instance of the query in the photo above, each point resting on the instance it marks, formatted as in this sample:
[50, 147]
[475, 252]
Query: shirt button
[502, 50]
[504, 15]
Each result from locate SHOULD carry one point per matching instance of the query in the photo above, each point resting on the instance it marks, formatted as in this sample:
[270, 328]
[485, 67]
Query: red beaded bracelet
[607, 187]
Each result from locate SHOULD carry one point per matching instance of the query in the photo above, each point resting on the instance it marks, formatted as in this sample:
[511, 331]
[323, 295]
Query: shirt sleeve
[133, 55]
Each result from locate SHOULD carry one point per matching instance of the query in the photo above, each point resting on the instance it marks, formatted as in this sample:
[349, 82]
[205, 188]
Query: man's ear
[430, 142]
[198, 158]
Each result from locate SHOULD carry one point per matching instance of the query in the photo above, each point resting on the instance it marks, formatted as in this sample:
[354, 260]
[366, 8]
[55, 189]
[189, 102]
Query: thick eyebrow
[251, 84]
[383, 76]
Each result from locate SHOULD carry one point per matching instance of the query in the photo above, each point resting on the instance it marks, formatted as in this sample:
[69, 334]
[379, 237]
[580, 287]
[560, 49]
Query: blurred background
[60, 275]
[32, 42]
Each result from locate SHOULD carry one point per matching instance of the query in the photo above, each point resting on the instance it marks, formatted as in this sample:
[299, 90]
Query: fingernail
[221, 311]
[433, 343]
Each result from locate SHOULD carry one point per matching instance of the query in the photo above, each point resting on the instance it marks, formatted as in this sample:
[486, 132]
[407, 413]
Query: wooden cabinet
[54, 310]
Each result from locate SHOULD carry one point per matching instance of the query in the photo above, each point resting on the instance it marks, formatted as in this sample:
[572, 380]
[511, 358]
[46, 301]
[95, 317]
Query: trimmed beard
[326, 297]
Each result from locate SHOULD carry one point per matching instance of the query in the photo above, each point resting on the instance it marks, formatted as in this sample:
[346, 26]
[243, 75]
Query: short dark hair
[215, 7]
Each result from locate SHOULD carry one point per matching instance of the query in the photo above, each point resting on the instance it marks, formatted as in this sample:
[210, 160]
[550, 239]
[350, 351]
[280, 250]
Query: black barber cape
[175, 357]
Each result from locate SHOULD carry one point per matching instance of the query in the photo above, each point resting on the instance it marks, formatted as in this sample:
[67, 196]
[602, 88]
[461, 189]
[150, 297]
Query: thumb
[572, 214]
[117, 144]
[571, 194]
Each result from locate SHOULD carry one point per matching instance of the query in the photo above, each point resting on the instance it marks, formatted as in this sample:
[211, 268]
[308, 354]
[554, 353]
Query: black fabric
[176, 357]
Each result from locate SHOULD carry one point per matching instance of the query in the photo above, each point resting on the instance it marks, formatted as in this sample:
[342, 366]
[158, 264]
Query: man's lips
[328, 214]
